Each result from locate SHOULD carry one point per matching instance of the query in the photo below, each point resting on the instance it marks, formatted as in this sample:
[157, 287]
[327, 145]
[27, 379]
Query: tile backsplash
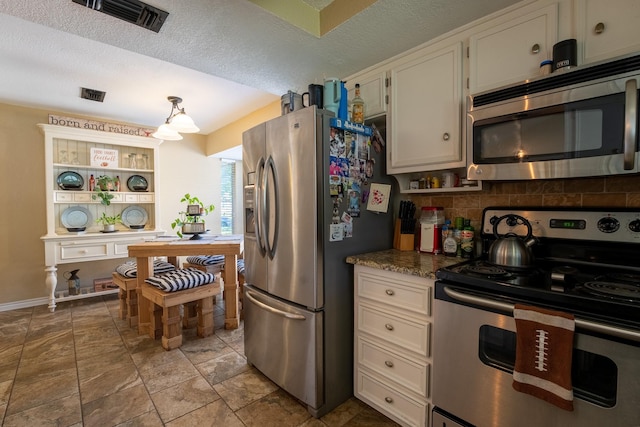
[616, 191]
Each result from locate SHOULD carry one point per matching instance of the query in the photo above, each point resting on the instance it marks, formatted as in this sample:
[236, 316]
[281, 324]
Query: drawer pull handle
[389, 326]
[389, 363]
[390, 292]
[535, 49]
[388, 399]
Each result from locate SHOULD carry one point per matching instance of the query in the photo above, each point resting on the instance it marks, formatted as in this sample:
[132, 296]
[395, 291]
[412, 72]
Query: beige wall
[231, 135]
[184, 168]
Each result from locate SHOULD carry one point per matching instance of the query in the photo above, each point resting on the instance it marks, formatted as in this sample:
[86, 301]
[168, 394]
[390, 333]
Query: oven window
[593, 127]
[594, 377]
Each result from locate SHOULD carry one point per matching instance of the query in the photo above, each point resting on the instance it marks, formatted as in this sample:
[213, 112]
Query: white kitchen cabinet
[70, 149]
[423, 124]
[511, 48]
[373, 91]
[607, 29]
[392, 343]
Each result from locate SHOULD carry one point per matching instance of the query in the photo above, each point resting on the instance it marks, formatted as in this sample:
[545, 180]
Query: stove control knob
[608, 225]
[635, 226]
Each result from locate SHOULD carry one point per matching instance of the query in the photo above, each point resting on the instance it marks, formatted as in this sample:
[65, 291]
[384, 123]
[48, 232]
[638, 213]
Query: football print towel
[544, 345]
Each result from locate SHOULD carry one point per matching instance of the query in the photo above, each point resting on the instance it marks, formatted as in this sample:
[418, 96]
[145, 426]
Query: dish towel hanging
[544, 346]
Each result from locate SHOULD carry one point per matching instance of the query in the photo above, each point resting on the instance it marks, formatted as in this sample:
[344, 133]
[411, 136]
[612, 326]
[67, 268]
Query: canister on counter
[431, 221]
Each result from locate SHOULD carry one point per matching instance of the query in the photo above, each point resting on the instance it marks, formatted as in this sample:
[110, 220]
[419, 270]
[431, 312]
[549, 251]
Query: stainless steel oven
[584, 265]
[578, 123]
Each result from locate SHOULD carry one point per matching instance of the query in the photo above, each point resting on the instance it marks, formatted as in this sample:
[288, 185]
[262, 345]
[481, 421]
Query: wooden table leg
[144, 267]
[205, 317]
[231, 317]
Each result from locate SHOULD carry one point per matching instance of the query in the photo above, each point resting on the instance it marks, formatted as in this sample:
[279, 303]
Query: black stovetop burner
[578, 289]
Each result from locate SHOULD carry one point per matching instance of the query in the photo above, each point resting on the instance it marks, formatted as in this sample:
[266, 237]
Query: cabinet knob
[535, 49]
[389, 363]
[599, 28]
[388, 399]
[390, 292]
[389, 326]
[446, 136]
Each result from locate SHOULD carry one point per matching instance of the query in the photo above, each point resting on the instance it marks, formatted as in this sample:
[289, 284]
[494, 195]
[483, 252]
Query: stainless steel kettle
[510, 250]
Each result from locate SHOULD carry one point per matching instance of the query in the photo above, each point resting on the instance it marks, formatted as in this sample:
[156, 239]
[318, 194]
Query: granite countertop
[405, 262]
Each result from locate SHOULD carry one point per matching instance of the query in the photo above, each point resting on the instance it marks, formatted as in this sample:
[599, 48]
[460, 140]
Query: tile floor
[83, 366]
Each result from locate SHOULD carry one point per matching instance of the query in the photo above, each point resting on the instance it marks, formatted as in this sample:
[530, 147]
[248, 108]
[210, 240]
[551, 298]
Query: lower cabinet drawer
[411, 374]
[407, 333]
[391, 402]
[79, 252]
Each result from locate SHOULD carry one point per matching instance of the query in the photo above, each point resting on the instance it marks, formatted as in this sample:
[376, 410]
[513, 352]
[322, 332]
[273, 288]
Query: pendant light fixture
[177, 122]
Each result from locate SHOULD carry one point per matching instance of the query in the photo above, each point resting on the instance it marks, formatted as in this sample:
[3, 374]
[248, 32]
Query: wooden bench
[128, 298]
[215, 269]
[164, 312]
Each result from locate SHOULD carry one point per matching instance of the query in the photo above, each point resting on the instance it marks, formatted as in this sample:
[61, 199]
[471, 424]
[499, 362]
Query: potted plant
[104, 184]
[109, 222]
[190, 221]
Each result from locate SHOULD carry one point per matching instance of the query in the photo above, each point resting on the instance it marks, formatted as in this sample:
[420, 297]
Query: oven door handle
[588, 325]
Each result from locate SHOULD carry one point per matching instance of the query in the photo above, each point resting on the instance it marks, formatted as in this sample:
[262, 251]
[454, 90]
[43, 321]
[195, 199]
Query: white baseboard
[24, 303]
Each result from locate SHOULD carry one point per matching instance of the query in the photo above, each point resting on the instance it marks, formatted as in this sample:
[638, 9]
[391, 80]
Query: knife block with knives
[404, 232]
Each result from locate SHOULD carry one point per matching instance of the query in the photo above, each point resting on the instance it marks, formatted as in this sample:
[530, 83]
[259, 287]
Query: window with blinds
[227, 195]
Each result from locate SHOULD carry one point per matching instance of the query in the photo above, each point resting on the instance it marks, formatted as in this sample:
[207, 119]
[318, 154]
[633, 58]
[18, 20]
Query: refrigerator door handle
[270, 309]
[258, 203]
[271, 206]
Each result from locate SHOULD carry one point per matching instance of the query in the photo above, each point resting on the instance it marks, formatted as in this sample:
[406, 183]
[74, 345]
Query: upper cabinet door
[608, 28]
[511, 50]
[373, 91]
[425, 110]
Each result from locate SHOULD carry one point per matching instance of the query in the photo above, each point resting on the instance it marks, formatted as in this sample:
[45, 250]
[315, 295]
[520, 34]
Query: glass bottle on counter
[466, 240]
[449, 244]
[357, 107]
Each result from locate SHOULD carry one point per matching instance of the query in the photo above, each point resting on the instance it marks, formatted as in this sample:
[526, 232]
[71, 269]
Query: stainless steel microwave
[578, 123]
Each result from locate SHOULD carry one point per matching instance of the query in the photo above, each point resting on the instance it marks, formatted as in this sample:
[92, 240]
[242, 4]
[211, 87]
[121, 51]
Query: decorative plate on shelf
[134, 217]
[70, 180]
[137, 183]
[75, 217]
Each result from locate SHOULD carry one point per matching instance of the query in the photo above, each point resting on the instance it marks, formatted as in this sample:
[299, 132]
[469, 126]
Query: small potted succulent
[109, 222]
[190, 221]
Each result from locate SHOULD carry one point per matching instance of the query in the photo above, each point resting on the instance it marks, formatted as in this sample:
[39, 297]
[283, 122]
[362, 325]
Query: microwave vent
[133, 11]
[565, 79]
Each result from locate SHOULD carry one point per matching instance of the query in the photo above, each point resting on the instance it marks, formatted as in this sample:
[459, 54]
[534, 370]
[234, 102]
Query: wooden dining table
[229, 246]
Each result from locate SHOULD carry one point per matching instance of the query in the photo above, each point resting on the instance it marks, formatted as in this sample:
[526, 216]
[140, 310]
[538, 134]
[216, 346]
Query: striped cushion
[130, 269]
[186, 278]
[205, 259]
[240, 266]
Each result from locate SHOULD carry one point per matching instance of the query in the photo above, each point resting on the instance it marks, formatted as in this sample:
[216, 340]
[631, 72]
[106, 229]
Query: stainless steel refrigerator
[298, 292]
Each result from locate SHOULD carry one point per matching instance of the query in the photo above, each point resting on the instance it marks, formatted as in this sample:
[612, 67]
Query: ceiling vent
[133, 11]
[92, 94]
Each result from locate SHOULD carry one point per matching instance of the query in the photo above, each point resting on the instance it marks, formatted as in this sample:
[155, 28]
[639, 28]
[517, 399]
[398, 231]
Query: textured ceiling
[225, 58]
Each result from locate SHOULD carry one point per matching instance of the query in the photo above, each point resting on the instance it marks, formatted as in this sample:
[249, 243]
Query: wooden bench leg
[190, 316]
[122, 311]
[171, 328]
[155, 320]
[205, 317]
[132, 307]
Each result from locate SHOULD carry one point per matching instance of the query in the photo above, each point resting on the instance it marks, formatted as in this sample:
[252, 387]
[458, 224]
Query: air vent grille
[582, 75]
[92, 94]
[133, 11]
